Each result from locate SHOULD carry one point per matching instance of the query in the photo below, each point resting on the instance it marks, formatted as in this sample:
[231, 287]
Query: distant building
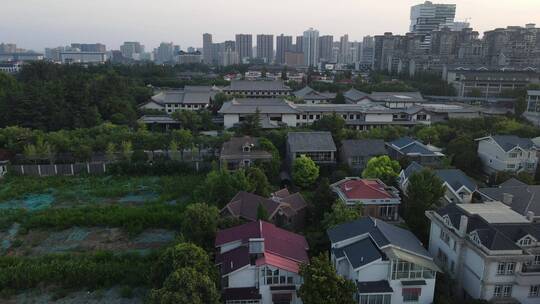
[357, 152]
[413, 150]
[258, 89]
[189, 98]
[294, 59]
[459, 188]
[8, 48]
[510, 153]
[376, 198]
[10, 67]
[188, 58]
[428, 17]
[20, 57]
[533, 107]
[244, 47]
[242, 152]
[310, 96]
[207, 48]
[164, 53]
[90, 47]
[132, 50]
[368, 48]
[82, 57]
[265, 48]
[319, 146]
[283, 45]
[490, 251]
[326, 43]
[284, 209]
[388, 264]
[259, 263]
[310, 47]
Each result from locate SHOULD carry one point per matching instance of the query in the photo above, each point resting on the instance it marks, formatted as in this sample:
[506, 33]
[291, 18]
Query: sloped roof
[381, 232]
[362, 253]
[311, 94]
[189, 94]
[264, 105]
[354, 95]
[525, 197]
[455, 178]
[409, 146]
[310, 141]
[277, 241]
[363, 147]
[509, 142]
[397, 96]
[248, 85]
[357, 189]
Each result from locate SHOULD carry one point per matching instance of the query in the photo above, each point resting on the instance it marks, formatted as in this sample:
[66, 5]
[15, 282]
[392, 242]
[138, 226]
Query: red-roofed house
[259, 263]
[378, 199]
[283, 208]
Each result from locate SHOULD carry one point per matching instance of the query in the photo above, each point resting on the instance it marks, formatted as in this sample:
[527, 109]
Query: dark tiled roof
[247, 85]
[354, 95]
[374, 287]
[509, 142]
[264, 105]
[310, 141]
[407, 145]
[245, 293]
[397, 96]
[234, 259]
[525, 197]
[234, 148]
[311, 94]
[363, 147]
[454, 177]
[362, 253]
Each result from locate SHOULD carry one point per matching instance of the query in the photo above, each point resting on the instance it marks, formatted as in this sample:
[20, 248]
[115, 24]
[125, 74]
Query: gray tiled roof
[247, 85]
[353, 95]
[525, 197]
[509, 142]
[409, 146]
[310, 142]
[363, 147]
[311, 94]
[397, 96]
[159, 119]
[362, 252]
[381, 232]
[454, 177]
[265, 106]
[190, 94]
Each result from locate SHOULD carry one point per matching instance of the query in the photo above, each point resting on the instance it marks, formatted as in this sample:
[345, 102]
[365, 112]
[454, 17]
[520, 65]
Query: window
[534, 291]
[406, 270]
[537, 260]
[511, 166]
[475, 238]
[513, 155]
[442, 257]
[447, 221]
[421, 117]
[445, 237]
[502, 291]
[375, 299]
[386, 211]
[411, 294]
[506, 268]
[525, 241]
[276, 277]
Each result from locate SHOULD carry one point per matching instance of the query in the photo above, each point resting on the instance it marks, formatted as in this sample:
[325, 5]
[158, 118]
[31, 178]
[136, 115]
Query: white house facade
[507, 153]
[491, 251]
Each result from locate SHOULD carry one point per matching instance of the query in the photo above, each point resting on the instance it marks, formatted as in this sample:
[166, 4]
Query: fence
[60, 169]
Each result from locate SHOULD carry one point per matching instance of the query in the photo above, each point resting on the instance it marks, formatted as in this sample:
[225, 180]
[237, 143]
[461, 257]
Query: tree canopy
[305, 172]
[383, 168]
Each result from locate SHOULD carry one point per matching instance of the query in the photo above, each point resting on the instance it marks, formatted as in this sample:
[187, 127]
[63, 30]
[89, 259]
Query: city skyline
[183, 23]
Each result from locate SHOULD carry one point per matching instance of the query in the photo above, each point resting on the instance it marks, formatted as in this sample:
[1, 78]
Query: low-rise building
[283, 209]
[354, 96]
[413, 150]
[310, 96]
[258, 89]
[319, 146]
[397, 100]
[377, 199]
[357, 152]
[20, 57]
[388, 264]
[160, 122]
[242, 152]
[259, 263]
[189, 57]
[189, 98]
[522, 198]
[10, 67]
[489, 250]
[459, 188]
[82, 57]
[533, 107]
[507, 153]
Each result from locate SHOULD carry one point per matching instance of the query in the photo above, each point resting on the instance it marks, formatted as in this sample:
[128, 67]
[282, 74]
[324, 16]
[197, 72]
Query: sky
[36, 24]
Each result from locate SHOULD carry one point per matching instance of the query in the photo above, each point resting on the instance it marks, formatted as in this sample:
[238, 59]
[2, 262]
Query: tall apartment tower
[310, 43]
[344, 49]
[326, 43]
[300, 44]
[164, 53]
[207, 48]
[428, 17]
[368, 50]
[265, 47]
[283, 44]
[132, 50]
[244, 46]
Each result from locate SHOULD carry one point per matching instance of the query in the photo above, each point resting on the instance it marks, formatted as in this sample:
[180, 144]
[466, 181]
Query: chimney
[464, 221]
[507, 198]
[530, 216]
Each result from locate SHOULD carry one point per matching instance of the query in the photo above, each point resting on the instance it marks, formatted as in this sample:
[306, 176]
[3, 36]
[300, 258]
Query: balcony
[529, 275]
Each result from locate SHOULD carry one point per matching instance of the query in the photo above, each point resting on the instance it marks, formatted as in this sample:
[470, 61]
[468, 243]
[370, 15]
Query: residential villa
[357, 152]
[377, 199]
[388, 264]
[319, 146]
[489, 250]
[413, 150]
[189, 98]
[507, 153]
[282, 208]
[459, 188]
[310, 96]
[242, 152]
[259, 264]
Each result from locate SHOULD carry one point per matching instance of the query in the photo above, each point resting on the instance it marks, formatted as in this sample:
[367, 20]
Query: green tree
[189, 120]
[110, 152]
[220, 186]
[341, 213]
[340, 98]
[127, 149]
[252, 124]
[305, 172]
[520, 106]
[423, 193]
[181, 256]
[186, 286]
[173, 150]
[322, 285]
[334, 124]
[258, 182]
[184, 139]
[262, 214]
[199, 224]
[428, 135]
[383, 168]
[322, 201]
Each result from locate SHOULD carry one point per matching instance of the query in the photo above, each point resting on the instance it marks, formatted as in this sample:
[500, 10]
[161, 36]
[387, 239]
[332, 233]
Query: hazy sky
[36, 24]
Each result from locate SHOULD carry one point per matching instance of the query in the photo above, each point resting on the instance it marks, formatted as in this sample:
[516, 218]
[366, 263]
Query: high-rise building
[344, 49]
[164, 53]
[368, 47]
[310, 43]
[207, 48]
[265, 47]
[244, 46]
[53, 54]
[300, 44]
[132, 50]
[428, 17]
[8, 48]
[514, 45]
[326, 43]
[283, 45]
[90, 47]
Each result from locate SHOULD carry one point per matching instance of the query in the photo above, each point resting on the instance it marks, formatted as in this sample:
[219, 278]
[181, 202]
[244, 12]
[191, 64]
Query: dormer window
[447, 221]
[474, 237]
[526, 241]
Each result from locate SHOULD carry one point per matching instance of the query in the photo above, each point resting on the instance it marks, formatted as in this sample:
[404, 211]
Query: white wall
[289, 119]
[229, 120]
[243, 278]
[374, 272]
[379, 117]
[426, 295]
